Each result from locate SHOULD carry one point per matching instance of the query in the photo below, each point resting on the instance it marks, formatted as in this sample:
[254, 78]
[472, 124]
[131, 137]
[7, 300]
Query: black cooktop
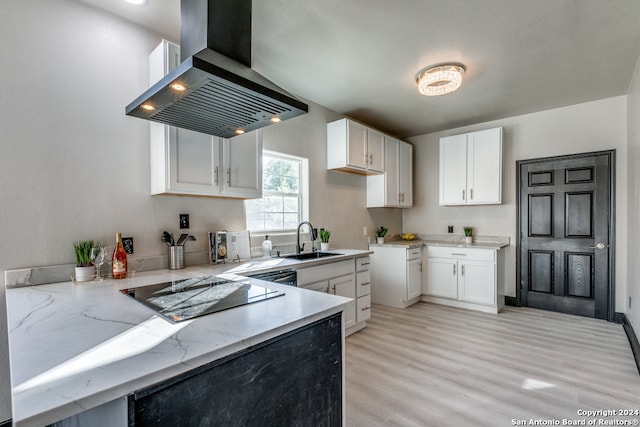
[188, 298]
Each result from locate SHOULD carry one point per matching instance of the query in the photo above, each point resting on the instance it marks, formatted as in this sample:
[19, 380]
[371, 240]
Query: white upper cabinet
[191, 163]
[471, 168]
[395, 187]
[353, 147]
[242, 160]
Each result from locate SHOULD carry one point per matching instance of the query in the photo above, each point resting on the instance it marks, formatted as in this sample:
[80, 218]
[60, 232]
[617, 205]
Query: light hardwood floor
[431, 365]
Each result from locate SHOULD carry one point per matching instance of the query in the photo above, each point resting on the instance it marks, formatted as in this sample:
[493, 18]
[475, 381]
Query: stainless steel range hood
[214, 90]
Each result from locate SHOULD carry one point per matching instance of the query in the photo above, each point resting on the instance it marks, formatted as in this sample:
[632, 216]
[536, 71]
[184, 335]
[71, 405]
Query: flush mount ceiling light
[440, 79]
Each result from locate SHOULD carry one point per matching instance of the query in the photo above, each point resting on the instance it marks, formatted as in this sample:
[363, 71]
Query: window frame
[303, 190]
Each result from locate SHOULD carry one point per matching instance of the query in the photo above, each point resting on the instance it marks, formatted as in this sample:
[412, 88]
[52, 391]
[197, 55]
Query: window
[283, 187]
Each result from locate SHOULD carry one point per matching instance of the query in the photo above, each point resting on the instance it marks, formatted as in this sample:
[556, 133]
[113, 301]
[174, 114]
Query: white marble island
[77, 346]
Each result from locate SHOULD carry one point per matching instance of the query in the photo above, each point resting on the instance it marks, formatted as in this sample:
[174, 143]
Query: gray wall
[593, 126]
[73, 166]
[633, 200]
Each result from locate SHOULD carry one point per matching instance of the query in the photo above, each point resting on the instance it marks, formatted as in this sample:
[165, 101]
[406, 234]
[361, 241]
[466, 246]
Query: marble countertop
[76, 346]
[448, 243]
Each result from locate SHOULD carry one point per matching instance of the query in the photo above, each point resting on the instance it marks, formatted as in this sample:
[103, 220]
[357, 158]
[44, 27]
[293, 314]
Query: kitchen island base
[294, 379]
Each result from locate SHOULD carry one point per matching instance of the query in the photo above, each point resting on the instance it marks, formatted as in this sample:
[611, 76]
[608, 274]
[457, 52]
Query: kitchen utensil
[166, 238]
[182, 239]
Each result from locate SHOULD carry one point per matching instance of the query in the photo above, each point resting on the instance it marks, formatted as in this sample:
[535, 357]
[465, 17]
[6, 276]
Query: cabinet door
[477, 282]
[414, 281]
[484, 171]
[453, 170]
[321, 286]
[243, 165]
[405, 174]
[192, 164]
[375, 151]
[442, 278]
[392, 172]
[356, 145]
[345, 286]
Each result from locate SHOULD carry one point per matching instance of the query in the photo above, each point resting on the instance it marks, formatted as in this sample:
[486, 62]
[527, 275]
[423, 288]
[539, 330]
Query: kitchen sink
[310, 255]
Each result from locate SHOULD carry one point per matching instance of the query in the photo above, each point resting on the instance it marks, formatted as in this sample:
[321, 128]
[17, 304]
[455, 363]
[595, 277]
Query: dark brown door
[565, 248]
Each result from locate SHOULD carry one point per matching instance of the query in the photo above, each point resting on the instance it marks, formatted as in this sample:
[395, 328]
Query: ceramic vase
[324, 246]
[84, 274]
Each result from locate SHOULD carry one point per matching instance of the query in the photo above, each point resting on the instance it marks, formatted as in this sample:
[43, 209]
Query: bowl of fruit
[408, 236]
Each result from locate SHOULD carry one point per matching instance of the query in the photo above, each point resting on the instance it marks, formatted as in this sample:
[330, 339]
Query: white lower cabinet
[363, 289]
[396, 275]
[345, 286]
[350, 279]
[462, 277]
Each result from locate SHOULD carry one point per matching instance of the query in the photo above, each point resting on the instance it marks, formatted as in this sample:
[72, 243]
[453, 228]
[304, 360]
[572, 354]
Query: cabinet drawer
[363, 283]
[461, 253]
[363, 308]
[363, 263]
[325, 271]
[414, 253]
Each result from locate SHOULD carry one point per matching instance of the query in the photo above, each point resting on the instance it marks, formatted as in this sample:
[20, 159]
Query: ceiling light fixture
[137, 2]
[440, 79]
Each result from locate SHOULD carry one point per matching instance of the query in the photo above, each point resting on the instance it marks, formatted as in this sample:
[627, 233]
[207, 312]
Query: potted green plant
[468, 235]
[324, 239]
[84, 264]
[380, 233]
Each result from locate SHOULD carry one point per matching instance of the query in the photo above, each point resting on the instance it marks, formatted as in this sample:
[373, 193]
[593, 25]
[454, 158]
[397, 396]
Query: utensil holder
[176, 257]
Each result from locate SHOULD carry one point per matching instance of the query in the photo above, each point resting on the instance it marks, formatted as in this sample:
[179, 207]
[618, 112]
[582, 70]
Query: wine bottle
[119, 260]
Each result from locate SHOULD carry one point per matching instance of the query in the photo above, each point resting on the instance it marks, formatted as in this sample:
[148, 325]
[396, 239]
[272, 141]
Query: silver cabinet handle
[370, 159]
[216, 175]
[365, 283]
[463, 195]
[462, 270]
[229, 177]
[365, 308]
[454, 254]
[365, 263]
[471, 194]
[420, 267]
[599, 246]
[454, 269]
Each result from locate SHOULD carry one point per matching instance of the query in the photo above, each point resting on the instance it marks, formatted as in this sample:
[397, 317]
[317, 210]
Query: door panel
[566, 230]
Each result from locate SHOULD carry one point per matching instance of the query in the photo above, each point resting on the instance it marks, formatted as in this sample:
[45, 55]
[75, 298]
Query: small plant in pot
[84, 264]
[468, 235]
[324, 239]
[380, 233]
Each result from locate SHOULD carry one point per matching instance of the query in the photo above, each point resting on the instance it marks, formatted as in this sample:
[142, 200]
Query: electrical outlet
[450, 228]
[184, 221]
[127, 242]
[364, 231]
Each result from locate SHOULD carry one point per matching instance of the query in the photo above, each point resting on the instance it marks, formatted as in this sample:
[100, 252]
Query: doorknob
[599, 246]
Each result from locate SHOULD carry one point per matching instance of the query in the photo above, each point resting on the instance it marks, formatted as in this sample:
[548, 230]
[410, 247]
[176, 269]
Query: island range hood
[214, 90]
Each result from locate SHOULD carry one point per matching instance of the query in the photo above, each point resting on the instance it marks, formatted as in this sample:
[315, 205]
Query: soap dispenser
[266, 247]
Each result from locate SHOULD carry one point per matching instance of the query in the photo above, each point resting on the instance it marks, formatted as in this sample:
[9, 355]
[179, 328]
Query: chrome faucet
[312, 234]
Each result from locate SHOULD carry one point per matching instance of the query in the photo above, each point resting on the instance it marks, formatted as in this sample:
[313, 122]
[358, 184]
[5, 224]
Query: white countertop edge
[74, 396]
[409, 244]
[72, 406]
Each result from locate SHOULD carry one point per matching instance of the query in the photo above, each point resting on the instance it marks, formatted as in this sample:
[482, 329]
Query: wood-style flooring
[431, 365]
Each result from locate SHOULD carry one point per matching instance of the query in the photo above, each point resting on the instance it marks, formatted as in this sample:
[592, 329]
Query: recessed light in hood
[214, 90]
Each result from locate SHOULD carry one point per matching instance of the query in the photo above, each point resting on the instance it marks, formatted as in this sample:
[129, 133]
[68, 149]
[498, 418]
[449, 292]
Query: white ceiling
[360, 57]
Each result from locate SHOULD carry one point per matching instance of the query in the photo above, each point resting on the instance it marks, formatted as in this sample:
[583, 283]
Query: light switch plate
[184, 221]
